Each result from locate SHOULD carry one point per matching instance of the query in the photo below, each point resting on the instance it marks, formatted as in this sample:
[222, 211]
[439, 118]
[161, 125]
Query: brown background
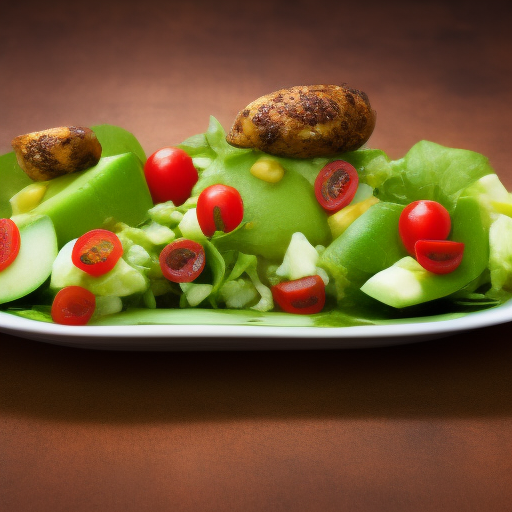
[418, 427]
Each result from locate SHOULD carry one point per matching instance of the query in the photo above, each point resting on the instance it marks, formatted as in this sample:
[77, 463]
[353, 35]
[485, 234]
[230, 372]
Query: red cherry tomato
[439, 256]
[73, 305]
[336, 185]
[97, 252]
[170, 175]
[423, 220]
[304, 296]
[182, 261]
[219, 208]
[10, 242]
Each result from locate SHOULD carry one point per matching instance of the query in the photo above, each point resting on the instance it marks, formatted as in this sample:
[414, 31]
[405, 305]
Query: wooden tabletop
[423, 427]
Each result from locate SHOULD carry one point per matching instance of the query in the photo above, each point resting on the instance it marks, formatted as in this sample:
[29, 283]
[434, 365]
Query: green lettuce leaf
[431, 171]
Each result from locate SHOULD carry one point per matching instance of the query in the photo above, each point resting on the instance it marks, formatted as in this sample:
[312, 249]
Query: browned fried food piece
[305, 121]
[50, 153]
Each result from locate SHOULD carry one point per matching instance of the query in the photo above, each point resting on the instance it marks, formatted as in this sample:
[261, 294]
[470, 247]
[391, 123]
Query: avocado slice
[370, 244]
[407, 283]
[33, 265]
[114, 190]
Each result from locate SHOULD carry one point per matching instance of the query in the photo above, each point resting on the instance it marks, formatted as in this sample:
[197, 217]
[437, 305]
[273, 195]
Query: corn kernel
[267, 169]
[28, 198]
[340, 221]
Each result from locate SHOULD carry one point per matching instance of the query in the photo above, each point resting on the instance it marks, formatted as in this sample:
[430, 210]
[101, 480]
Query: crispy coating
[305, 122]
[50, 153]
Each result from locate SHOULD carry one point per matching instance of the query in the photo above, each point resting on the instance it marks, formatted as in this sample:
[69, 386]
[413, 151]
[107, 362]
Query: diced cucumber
[121, 281]
[299, 260]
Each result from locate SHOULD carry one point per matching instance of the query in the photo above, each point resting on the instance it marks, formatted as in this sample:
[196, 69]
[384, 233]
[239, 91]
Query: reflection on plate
[249, 337]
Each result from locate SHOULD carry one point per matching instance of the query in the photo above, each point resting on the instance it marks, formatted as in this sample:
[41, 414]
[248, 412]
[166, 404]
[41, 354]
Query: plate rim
[34, 329]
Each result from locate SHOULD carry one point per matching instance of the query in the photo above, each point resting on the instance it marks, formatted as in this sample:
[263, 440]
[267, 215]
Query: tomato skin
[73, 305]
[182, 261]
[439, 256]
[219, 208]
[304, 296]
[10, 242]
[97, 252]
[423, 220]
[170, 175]
[336, 185]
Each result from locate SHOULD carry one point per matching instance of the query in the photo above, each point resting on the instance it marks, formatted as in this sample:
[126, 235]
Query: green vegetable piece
[500, 258]
[432, 171]
[113, 191]
[216, 263]
[370, 244]
[121, 281]
[115, 140]
[492, 196]
[12, 179]
[406, 283]
[300, 259]
[33, 265]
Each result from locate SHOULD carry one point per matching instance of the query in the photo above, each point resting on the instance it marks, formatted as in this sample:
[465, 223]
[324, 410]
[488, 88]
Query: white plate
[248, 337]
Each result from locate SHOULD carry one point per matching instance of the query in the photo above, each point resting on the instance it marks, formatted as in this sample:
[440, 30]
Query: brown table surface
[420, 427]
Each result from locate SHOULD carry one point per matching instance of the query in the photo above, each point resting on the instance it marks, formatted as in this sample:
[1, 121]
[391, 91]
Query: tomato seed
[178, 258]
[97, 253]
[217, 219]
[305, 303]
[334, 186]
[439, 256]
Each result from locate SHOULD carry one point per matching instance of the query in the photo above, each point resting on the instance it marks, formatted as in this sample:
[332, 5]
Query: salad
[249, 227]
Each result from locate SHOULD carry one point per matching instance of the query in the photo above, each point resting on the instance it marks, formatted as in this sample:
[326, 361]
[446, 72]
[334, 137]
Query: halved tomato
[439, 256]
[304, 296]
[336, 185]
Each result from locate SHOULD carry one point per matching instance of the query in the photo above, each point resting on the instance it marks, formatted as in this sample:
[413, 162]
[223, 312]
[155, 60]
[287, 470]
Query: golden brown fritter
[50, 153]
[305, 121]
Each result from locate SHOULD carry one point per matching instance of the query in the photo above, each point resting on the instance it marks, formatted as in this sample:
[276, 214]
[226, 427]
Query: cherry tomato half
[303, 296]
[97, 252]
[170, 175]
[336, 185]
[439, 256]
[73, 305]
[423, 220]
[10, 242]
[219, 208]
[182, 261]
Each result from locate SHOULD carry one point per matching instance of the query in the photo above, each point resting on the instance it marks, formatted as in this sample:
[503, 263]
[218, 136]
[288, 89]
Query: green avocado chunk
[272, 211]
[112, 191]
[407, 283]
[370, 244]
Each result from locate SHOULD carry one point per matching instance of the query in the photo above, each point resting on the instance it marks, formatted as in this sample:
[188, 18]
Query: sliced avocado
[33, 265]
[114, 190]
[370, 244]
[407, 283]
